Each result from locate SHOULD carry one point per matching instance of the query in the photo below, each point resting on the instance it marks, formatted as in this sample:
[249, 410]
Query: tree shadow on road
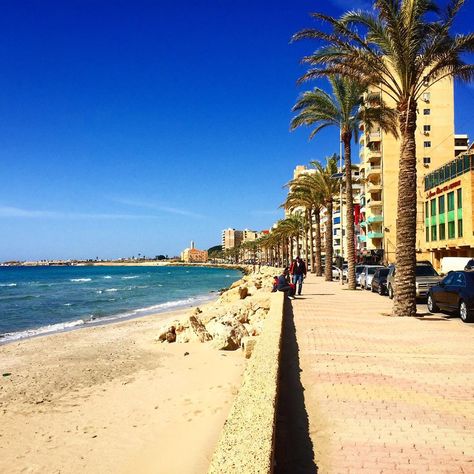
[293, 447]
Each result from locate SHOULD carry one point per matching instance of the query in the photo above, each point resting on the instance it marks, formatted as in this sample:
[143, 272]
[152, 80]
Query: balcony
[375, 235]
[374, 136]
[375, 218]
[374, 155]
[362, 238]
[363, 224]
[374, 187]
[374, 203]
[373, 170]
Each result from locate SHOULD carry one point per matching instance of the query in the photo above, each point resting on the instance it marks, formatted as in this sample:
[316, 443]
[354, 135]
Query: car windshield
[359, 269]
[372, 270]
[425, 270]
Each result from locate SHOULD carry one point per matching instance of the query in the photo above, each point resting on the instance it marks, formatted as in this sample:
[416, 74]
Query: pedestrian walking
[298, 273]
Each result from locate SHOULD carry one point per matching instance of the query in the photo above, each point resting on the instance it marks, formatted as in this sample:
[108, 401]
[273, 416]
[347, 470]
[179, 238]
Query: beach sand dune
[109, 399]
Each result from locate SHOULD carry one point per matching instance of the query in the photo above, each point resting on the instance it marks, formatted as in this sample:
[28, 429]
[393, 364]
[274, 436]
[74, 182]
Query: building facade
[379, 156]
[194, 255]
[449, 211]
[231, 238]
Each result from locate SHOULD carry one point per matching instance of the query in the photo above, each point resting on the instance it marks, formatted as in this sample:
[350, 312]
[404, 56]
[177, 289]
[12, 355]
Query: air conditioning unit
[426, 97]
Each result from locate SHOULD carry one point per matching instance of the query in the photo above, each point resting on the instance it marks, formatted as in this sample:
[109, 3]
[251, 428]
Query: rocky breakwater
[232, 321]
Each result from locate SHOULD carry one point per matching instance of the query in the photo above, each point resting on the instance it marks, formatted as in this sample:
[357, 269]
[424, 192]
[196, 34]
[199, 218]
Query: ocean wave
[109, 290]
[107, 277]
[94, 320]
[43, 330]
[80, 280]
[8, 284]
[130, 277]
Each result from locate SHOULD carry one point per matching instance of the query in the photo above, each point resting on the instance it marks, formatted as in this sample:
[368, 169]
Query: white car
[335, 272]
[367, 274]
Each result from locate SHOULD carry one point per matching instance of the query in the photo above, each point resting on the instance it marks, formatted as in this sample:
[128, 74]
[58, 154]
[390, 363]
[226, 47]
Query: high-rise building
[379, 155]
[232, 238]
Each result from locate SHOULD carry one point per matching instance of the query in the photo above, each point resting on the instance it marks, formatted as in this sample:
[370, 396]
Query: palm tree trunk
[290, 251]
[405, 280]
[351, 278]
[328, 262]
[317, 237]
[311, 242]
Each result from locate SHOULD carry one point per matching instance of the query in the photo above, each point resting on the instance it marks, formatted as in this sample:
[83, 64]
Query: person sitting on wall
[285, 285]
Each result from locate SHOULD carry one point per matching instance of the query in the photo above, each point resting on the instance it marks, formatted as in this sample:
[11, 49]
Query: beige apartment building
[231, 238]
[379, 157]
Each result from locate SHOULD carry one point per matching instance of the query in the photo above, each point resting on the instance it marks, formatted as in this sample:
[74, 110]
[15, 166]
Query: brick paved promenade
[384, 394]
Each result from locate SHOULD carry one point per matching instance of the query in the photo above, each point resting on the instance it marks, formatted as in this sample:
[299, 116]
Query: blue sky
[132, 127]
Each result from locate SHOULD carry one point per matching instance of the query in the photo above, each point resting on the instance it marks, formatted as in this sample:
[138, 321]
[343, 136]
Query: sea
[43, 300]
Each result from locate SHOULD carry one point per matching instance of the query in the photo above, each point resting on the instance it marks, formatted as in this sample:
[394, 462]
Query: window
[426, 160]
[433, 233]
[427, 144]
[427, 234]
[451, 230]
[459, 193]
[441, 204]
[459, 279]
[442, 232]
[426, 128]
[433, 207]
[427, 209]
[459, 227]
[426, 111]
[451, 201]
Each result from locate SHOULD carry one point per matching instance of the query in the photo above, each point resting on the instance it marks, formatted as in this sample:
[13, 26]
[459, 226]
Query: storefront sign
[443, 189]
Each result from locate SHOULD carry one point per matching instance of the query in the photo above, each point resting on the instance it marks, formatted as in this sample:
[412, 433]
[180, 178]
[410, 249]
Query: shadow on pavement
[293, 447]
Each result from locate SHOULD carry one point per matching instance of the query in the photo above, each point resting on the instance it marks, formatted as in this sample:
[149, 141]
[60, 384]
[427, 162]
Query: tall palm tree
[402, 47]
[345, 108]
[304, 193]
[323, 181]
[292, 228]
[295, 200]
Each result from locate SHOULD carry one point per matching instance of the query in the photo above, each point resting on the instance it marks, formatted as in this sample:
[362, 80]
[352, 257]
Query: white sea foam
[15, 336]
[59, 327]
[111, 290]
[67, 304]
[8, 284]
[80, 280]
[130, 277]
[107, 277]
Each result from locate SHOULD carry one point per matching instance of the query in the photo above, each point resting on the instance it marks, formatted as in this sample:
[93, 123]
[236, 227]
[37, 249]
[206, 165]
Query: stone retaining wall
[247, 440]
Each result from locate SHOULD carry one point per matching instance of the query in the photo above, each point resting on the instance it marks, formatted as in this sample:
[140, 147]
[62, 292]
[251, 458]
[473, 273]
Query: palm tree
[297, 199]
[344, 108]
[290, 229]
[328, 187]
[403, 47]
[304, 193]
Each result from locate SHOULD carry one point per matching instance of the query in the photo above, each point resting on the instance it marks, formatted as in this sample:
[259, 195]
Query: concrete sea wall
[247, 440]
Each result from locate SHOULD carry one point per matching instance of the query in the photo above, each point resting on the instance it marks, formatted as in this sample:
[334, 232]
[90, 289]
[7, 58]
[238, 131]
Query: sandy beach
[110, 399]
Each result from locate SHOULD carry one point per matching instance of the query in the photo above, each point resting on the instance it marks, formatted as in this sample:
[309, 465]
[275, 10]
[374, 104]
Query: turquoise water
[40, 300]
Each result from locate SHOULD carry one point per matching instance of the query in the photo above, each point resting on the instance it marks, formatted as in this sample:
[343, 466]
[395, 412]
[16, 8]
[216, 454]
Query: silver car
[367, 274]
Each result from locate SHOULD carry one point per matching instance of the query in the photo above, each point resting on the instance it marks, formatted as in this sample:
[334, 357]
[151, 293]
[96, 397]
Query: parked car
[469, 265]
[367, 274]
[455, 293]
[335, 272]
[358, 271]
[426, 277]
[379, 281]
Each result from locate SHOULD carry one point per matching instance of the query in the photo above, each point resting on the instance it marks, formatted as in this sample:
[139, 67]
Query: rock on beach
[238, 314]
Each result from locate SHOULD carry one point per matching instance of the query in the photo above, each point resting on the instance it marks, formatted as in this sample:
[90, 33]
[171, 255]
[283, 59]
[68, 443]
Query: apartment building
[379, 156]
[231, 238]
